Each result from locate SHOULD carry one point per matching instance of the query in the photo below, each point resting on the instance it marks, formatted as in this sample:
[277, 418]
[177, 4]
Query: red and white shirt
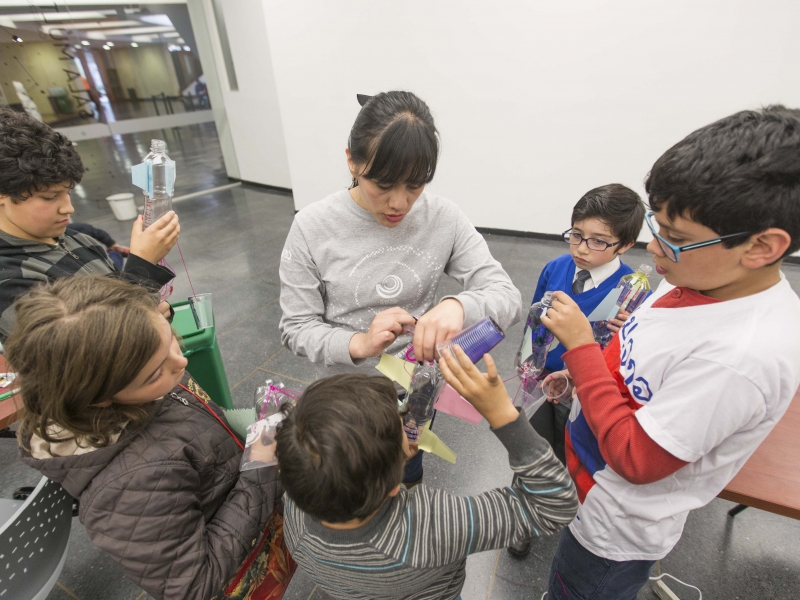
[672, 409]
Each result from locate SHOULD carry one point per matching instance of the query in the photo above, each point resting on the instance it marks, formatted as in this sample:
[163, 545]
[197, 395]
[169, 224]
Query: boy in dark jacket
[38, 168]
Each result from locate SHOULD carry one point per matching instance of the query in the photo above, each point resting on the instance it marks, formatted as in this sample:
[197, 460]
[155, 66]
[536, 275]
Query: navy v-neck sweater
[558, 275]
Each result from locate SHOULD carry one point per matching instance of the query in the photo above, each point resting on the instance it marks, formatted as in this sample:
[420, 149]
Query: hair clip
[363, 99]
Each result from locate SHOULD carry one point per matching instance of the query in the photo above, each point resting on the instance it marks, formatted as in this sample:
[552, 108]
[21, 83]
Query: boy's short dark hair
[617, 206]
[740, 174]
[34, 156]
[340, 449]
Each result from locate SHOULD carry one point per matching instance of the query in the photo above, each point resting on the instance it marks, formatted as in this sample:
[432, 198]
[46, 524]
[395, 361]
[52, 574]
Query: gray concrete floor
[232, 242]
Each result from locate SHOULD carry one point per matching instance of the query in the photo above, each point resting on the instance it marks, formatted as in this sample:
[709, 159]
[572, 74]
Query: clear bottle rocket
[426, 385]
[155, 175]
[635, 289]
[536, 339]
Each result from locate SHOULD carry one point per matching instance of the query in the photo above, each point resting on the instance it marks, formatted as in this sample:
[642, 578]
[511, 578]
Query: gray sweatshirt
[340, 267]
[416, 545]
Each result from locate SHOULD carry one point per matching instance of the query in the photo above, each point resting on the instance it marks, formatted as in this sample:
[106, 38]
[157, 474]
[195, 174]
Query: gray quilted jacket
[167, 500]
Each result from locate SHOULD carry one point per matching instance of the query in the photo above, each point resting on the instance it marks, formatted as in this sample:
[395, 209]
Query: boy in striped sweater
[360, 534]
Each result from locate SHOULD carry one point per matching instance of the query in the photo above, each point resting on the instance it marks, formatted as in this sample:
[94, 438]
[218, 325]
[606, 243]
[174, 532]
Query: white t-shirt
[711, 382]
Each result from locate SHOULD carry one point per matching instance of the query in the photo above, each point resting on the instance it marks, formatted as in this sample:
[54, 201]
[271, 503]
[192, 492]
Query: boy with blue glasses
[700, 374]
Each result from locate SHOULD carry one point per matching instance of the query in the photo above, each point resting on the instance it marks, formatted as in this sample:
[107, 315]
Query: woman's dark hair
[617, 206]
[340, 449]
[33, 157]
[76, 343]
[394, 140]
[739, 174]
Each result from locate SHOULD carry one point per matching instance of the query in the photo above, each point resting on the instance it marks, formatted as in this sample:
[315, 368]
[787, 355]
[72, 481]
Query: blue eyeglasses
[672, 252]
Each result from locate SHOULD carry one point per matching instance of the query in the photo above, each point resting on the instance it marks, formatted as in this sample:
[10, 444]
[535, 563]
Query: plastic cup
[202, 310]
[477, 340]
[529, 397]
[558, 388]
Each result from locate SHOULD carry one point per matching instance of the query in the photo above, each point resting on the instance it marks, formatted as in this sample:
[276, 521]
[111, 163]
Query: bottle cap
[646, 269]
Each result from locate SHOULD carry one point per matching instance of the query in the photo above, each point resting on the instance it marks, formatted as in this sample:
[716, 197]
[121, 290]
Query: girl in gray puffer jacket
[111, 414]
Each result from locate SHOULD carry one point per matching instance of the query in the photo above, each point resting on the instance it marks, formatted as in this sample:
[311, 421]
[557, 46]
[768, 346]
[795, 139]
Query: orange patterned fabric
[266, 573]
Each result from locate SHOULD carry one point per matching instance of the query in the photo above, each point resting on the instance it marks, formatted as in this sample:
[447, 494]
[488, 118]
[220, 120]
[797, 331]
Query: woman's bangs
[405, 153]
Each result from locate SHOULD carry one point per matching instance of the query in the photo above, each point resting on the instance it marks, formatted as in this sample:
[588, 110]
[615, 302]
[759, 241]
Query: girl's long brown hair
[76, 343]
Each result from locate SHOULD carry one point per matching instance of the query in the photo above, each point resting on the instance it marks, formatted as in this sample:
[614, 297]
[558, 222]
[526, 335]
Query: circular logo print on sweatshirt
[390, 287]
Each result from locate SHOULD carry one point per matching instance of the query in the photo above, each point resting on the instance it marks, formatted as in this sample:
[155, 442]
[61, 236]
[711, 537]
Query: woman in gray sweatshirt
[360, 268]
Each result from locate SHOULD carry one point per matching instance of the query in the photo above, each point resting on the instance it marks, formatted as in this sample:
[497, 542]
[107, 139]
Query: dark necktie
[580, 281]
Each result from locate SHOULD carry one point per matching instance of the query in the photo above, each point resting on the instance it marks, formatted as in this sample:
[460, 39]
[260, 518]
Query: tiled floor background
[232, 242]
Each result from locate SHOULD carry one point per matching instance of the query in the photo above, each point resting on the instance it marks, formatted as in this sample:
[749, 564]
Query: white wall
[252, 114]
[536, 101]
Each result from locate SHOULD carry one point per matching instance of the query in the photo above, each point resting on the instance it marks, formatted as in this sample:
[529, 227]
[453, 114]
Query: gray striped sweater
[417, 544]
[25, 263]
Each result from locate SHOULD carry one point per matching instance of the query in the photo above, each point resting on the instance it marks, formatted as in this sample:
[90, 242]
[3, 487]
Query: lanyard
[215, 415]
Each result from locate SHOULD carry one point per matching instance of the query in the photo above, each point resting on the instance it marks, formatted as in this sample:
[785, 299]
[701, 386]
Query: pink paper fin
[452, 403]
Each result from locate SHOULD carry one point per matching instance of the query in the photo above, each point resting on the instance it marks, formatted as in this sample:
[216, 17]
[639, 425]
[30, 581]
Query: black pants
[550, 421]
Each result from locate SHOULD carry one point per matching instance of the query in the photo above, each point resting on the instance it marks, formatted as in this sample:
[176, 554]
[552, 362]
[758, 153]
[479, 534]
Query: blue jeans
[577, 574]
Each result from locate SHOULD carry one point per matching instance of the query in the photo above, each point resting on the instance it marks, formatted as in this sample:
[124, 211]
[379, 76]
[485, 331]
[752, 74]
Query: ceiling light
[173, 48]
[187, 48]
[180, 40]
[16, 38]
[91, 25]
[173, 34]
[106, 47]
[157, 20]
[85, 42]
[61, 16]
[142, 38]
[135, 30]
[109, 43]
[95, 35]
[134, 45]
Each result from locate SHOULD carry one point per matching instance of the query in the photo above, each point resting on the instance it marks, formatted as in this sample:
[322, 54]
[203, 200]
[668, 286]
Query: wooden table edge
[779, 509]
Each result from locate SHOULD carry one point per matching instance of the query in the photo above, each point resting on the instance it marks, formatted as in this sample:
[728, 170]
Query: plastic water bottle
[635, 289]
[536, 339]
[160, 171]
[155, 175]
[426, 385]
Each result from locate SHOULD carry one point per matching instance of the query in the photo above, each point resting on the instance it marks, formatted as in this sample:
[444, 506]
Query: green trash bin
[201, 348]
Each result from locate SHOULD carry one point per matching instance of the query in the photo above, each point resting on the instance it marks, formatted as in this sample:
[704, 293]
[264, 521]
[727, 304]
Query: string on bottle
[185, 268]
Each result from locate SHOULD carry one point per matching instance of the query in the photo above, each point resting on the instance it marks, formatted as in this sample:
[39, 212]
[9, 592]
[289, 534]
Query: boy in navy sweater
[605, 223]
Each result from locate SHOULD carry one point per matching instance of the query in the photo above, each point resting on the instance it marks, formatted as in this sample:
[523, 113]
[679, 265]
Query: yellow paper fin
[430, 442]
[395, 369]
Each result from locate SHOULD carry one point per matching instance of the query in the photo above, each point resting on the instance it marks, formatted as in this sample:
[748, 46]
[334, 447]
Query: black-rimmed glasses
[576, 239]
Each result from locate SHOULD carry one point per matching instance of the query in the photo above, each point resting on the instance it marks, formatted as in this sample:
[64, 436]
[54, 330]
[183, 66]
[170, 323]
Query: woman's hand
[155, 242]
[383, 330]
[615, 324]
[485, 391]
[437, 326]
[567, 322]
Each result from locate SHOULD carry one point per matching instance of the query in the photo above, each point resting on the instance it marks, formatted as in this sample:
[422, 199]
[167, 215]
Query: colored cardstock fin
[430, 442]
[451, 403]
[396, 370]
